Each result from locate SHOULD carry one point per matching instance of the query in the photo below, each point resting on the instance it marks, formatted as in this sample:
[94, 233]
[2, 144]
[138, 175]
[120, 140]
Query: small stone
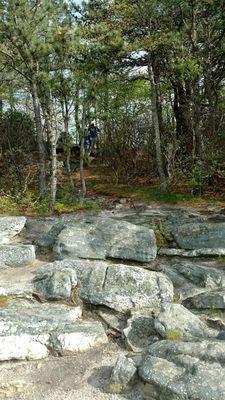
[124, 375]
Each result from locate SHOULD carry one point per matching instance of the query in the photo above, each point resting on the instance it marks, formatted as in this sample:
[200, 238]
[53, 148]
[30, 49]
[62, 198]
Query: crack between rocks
[105, 278]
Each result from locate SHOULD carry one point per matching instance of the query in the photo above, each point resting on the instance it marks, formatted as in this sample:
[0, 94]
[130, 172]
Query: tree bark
[65, 113]
[82, 178]
[39, 132]
[51, 134]
[155, 118]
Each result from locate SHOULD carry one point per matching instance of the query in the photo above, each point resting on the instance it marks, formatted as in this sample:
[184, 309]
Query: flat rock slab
[214, 299]
[26, 317]
[97, 238]
[33, 331]
[17, 255]
[212, 252]
[117, 286]
[10, 227]
[200, 235]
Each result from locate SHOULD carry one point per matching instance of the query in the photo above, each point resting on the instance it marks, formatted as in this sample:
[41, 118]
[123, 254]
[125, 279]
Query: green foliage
[32, 204]
[221, 260]
[213, 312]
[173, 335]
[3, 300]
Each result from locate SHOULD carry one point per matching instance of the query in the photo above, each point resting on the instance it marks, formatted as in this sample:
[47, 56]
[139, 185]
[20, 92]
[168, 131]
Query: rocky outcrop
[32, 331]
[97, 238]
[10, 227]
[192, 277]
[176, 322]
[17, 255]
[117, 286]
[185, 370]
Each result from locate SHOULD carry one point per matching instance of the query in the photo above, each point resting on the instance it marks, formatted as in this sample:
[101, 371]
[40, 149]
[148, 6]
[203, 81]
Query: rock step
[80, 337]
[31, 331]
[17, 255]
[10, 227]
[117, 286]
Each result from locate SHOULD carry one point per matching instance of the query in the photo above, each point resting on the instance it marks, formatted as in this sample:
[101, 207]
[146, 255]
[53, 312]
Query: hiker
[93, 132]
[89, 139]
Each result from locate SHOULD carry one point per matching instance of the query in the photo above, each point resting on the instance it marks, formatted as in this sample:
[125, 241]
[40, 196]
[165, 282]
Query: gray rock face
[120, 287]
[99, 238]
[212, 300]
[192, 277]
[192, 253]
[124, 375]
[175, 321]
[200, 236]
[140, 332]
[17, 255]
[82, 336]
[31, 331]
[25, 317]
[56, 284]
[10, 227]
[185, 370]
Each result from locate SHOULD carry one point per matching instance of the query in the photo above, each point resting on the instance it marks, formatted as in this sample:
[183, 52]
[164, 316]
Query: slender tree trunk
[51, 134]
[52, 139]
[155, 118]
[41, 146]
[82, 178]
[65, 113]
[76, 115]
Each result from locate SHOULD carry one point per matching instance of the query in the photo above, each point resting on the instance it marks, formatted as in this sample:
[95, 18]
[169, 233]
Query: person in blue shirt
[90, 138]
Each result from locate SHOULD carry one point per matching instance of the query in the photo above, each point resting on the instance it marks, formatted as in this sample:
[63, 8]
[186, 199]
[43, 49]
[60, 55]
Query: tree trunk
[52, 139]
[65, 113]
[41, 146]
[82, 178]
[76, 115]
[51, 134]
[155, 118]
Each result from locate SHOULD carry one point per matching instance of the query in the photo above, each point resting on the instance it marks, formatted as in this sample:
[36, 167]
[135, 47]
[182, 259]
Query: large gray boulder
[10, 227]
[200, 235]
[175, 321]
[117, 286]
[57, 283]
[101, 238]
[17, 255]
[185, 370]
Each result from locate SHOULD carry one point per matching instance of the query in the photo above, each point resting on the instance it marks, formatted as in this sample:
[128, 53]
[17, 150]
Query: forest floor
[102, 192]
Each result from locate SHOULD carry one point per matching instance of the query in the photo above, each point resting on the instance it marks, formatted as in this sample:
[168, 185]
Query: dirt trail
[81, 377]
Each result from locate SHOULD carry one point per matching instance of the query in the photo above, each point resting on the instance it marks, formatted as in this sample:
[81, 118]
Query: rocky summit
[78, 282]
